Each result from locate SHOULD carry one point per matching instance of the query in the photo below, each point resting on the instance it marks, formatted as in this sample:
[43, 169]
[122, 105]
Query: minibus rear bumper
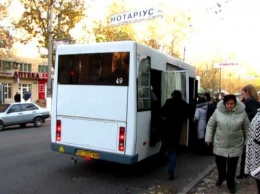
[111, 157]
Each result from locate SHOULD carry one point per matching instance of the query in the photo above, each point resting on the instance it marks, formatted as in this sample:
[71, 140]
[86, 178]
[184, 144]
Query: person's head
[249, 91]
[176, 94]
[201, 99]
[230, 101]
[207, 96]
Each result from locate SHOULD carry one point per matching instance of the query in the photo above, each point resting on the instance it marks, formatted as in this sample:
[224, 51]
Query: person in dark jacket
[211, 106]
[251, 101]
[27, 96]
[175, 112]
[17, 97]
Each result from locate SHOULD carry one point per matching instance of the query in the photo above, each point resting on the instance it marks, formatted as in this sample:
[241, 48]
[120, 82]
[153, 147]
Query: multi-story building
[21, 75]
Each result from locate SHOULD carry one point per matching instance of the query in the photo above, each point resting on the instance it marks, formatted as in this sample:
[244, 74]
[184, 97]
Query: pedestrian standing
[211, 105]
[227, 129]
[17, 97]
[200, 117]
[250, 98]
[27, 96]
[175, 111]
[253, 149]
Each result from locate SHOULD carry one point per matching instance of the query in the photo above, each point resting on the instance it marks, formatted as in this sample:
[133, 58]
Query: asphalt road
[29, 166]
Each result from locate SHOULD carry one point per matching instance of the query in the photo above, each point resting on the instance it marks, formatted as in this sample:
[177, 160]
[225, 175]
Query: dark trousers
[258, 185]
[227, 169]
[172, 159]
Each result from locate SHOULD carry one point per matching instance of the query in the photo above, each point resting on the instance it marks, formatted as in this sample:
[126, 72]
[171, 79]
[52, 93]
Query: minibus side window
[144, 85]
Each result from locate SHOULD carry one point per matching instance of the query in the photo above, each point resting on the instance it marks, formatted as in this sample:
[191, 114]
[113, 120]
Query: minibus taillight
[58, 130]
[121, 146]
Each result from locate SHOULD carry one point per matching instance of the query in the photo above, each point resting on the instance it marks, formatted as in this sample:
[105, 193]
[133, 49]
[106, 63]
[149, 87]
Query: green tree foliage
[116, 33]
[227, 79]
[105, 33]
[3, 9]
[165, 34]
[209, 78]
[35, 19]
[6, 40]
[168, 33]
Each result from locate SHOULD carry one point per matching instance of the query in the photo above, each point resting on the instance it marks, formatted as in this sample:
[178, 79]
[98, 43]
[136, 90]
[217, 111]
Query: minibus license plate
[89, 154]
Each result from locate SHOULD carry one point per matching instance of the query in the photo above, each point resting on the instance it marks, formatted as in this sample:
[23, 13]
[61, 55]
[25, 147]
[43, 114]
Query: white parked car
[21, 114]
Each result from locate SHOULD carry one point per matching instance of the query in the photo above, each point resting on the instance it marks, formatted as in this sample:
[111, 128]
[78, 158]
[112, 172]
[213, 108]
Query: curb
[195, 181]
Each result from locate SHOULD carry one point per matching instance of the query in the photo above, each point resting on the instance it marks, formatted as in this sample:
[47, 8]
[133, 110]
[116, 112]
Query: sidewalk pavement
[207, 186]
[195, 174]
[191, 168]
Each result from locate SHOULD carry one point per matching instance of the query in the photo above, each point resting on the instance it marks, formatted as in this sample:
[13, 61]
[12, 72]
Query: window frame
[25, 67]
[144, 83]
[6, 65]
[8, 88]
[107, 69]
[42, 68]
[10, 110]
[26, 105]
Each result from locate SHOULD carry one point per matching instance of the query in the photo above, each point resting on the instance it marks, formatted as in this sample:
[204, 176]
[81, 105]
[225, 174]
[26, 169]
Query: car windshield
[3, 107]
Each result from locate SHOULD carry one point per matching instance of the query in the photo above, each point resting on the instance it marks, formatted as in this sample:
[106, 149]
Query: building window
[25, 67]
[7, 90]
[43, 68]
[5, 65]
[25, 88]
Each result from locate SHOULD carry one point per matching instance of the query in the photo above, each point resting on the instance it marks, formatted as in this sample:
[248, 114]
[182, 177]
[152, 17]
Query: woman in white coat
[200, 117]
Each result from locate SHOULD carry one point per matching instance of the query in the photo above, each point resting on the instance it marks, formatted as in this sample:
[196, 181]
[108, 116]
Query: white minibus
[107, 96]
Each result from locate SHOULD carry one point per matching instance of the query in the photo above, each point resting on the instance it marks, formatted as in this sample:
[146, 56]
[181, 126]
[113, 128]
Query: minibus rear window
[94, 69]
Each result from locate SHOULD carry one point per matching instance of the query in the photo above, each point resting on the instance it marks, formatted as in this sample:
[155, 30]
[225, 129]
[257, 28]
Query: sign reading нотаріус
[136, 16]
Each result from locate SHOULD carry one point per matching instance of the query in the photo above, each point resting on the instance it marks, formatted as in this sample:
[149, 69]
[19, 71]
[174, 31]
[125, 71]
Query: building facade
[22, 75]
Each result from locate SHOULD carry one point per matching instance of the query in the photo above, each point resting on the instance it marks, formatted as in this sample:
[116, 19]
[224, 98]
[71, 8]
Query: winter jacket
[228, 130]
[175, 112]
[251, 107]
[253, 146]
[201, 116]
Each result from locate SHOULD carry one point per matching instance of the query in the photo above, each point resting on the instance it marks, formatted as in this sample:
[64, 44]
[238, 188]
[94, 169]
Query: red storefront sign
[35, 75]
[42, 80]
[41, 89]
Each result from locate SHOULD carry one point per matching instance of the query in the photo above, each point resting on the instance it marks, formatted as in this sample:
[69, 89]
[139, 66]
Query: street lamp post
[49, 84]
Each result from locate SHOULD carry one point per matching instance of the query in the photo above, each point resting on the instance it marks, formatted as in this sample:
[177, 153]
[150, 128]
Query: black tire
[38, 121]
[23, 125]
[1, 125]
